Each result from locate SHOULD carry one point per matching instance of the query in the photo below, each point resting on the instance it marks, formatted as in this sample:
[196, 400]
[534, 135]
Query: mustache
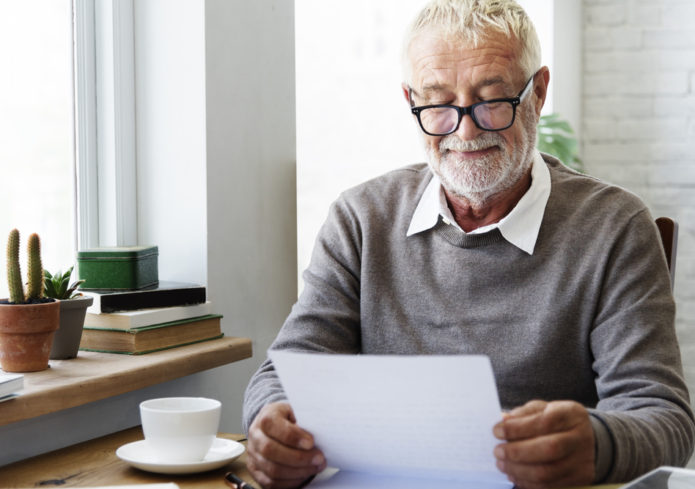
[483, 141]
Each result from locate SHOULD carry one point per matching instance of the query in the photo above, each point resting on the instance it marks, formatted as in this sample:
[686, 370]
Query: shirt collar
[520, 227]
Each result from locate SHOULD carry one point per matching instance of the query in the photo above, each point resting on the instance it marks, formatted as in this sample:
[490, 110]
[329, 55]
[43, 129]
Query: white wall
[31, 437]
[251, 177]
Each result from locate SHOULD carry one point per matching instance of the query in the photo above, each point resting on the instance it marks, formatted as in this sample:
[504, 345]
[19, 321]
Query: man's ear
[406, 93]
[540, 88]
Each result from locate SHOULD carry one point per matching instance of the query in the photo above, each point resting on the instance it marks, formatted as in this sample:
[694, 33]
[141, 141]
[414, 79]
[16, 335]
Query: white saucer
[139, 455]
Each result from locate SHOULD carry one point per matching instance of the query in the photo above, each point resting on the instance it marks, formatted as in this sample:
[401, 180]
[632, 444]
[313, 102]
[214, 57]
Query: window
[36, 129]
[347, 59]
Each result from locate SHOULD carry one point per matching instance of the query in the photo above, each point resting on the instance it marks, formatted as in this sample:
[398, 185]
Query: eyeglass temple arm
[527, 88]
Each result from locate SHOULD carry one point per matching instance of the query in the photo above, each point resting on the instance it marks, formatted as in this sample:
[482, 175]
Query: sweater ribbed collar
[520, 227]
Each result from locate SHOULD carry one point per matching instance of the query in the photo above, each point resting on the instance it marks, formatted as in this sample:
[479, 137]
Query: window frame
[104, 108]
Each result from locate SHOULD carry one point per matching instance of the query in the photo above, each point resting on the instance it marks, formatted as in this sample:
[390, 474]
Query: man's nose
[467, 130]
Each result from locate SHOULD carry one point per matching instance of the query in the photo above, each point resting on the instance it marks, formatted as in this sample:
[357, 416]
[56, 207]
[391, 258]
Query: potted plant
[556, 137]
[73, 309]
[27, 321]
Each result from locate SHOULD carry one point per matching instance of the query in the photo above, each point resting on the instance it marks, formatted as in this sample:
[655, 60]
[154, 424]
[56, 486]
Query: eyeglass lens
[443, 120]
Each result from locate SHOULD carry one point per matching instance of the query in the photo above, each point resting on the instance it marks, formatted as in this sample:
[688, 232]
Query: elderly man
[492, 248]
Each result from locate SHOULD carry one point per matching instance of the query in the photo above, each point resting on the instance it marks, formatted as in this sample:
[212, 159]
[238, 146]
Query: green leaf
[49, 289]
[62, 287]
[58, 286]
[70, 292]
[556, 137]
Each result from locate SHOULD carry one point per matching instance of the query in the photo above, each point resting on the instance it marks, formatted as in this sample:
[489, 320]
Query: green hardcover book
[152, 338]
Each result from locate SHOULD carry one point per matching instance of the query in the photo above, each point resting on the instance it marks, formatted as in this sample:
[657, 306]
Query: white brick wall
[638, 121]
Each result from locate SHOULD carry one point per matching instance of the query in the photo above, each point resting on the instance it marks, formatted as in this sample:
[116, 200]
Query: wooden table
[94, 463]
[94, 376]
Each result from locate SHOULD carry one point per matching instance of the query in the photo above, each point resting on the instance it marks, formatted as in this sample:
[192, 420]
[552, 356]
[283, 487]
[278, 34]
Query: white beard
[477, 180]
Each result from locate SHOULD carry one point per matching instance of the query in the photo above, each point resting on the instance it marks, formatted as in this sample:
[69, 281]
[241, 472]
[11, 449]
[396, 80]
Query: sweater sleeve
[326, 318]
[643, 399]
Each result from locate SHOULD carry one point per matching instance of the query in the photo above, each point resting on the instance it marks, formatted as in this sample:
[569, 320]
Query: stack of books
[10, 385]
[146, 320]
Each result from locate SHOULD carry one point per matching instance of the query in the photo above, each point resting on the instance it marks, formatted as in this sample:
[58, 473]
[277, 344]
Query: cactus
[34, 268]
[14, 276]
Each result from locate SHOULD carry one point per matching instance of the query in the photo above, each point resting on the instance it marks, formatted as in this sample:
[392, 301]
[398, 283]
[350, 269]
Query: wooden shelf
[94, 376]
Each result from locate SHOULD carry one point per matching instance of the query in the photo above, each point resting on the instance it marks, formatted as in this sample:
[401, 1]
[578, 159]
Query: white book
[146, 317]
[10, 383]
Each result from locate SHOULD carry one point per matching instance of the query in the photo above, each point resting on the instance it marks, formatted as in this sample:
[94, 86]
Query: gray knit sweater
[589, 316]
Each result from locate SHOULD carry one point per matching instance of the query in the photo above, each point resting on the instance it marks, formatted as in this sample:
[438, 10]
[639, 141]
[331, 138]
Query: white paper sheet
[366, 480]
[409, 416]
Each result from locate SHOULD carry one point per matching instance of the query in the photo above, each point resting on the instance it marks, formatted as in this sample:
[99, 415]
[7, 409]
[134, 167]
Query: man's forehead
[439, 63]
[433, 83]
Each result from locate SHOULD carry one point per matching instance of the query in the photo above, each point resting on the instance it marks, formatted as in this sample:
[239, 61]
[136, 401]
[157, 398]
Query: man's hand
[548, 444]
[280, 454]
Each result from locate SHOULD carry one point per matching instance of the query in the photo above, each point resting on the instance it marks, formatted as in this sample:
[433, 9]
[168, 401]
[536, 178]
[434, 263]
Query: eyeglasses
[490, 115]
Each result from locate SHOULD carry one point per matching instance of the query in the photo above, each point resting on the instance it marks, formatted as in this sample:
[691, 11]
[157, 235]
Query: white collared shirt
[520, 227]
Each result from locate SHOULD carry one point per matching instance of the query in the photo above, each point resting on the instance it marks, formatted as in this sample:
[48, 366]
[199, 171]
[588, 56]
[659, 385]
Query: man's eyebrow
[428, 89]
[498, 80]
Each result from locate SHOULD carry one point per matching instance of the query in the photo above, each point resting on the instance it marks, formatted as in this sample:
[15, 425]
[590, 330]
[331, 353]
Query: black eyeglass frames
[488, 115]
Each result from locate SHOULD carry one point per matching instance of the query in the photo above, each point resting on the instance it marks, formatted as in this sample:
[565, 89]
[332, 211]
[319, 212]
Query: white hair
[471, 21]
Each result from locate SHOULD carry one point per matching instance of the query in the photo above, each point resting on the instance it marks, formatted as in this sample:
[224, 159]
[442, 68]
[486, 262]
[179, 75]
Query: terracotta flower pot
[26, 335]
[66, 341]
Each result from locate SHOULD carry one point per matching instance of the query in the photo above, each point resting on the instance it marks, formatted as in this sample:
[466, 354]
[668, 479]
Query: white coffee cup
[180, 429]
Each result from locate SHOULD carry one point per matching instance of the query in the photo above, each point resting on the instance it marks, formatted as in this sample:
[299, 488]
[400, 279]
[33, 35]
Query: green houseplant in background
[73, 309]
[556, 137]
[28, 320]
